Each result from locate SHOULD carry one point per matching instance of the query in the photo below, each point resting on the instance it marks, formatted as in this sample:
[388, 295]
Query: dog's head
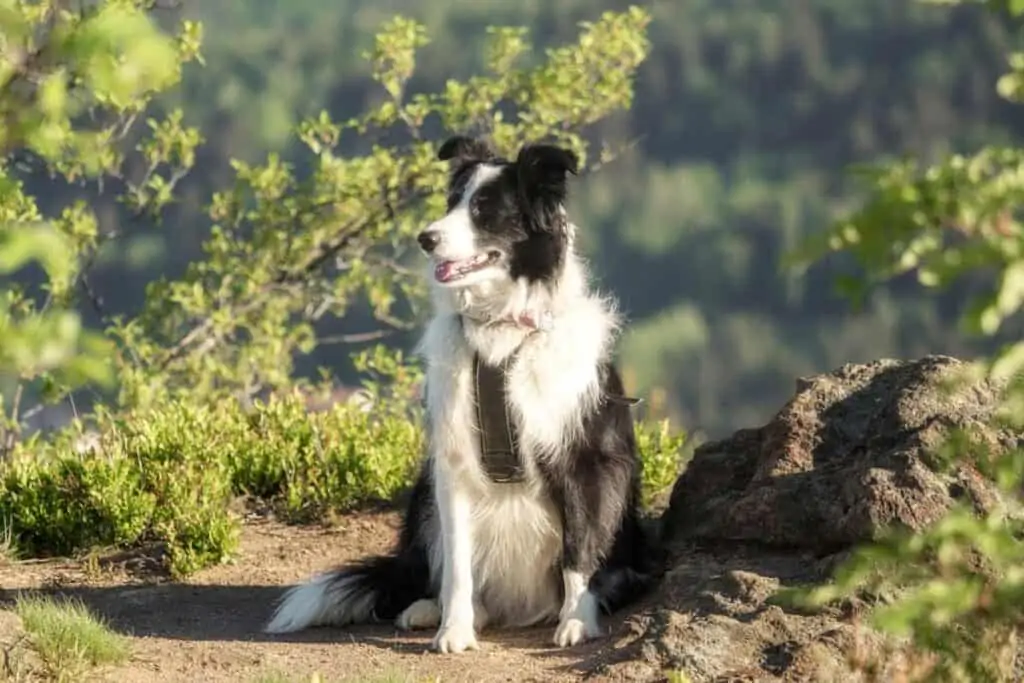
[505, 218]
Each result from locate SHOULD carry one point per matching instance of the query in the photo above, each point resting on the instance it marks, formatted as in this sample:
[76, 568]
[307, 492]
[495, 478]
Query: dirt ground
[208, 628]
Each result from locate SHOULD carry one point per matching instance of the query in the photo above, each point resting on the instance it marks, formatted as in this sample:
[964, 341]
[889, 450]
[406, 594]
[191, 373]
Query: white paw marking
[573, 631]
[578, 622]
[455, 637]
[420, 614]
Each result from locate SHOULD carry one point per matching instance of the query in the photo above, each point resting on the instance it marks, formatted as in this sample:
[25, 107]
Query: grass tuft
[68, 639]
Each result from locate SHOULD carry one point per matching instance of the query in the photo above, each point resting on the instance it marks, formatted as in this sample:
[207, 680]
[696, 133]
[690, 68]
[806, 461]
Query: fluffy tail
[376, 588]
[620, 587]
[637, 563]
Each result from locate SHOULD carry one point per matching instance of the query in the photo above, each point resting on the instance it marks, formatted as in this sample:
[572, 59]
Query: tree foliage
[960, 583]
[743, 119]
[72, 84]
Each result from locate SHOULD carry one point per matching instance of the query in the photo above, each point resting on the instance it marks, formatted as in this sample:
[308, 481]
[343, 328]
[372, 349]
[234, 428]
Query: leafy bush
[661, 451]
[956, 589]
[171, 473]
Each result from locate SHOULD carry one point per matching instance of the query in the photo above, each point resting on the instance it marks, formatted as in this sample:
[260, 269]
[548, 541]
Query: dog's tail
[373, 589]
[617, 588]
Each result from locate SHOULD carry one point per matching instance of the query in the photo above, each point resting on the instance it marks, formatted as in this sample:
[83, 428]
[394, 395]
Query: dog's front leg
[586, 537]
[455, 516]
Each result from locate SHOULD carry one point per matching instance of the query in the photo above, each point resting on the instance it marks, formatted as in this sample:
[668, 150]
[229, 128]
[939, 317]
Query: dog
[556, 536]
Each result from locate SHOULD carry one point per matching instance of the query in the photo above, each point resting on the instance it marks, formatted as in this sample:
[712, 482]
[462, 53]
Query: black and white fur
[567, 541]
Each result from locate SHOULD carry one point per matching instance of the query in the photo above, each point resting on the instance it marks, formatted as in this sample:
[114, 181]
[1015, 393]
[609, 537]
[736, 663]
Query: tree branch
[202, 332]
[356, 338]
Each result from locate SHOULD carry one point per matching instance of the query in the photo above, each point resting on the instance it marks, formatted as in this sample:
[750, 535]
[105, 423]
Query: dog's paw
[418, 615]
[578, 623]
[455, 637]
[573, 631]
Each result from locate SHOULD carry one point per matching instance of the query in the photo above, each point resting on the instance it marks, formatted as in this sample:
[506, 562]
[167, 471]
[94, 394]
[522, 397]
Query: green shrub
[662, 454]
[300, 461]
[66, 503]
[171, 473]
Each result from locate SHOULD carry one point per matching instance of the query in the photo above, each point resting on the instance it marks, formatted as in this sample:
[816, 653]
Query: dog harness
[500, 454]
[499, 443]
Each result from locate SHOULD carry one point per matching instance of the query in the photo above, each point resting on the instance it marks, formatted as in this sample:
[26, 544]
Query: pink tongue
[444, 271]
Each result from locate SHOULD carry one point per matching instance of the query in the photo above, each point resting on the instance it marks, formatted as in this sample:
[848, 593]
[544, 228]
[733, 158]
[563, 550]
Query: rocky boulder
[850, 455]
[846, 457]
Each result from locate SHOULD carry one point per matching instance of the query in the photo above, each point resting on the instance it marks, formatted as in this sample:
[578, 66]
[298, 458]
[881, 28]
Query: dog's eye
[474, 209]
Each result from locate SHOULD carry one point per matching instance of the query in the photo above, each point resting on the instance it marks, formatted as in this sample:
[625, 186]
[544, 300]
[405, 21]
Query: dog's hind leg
[425, 613]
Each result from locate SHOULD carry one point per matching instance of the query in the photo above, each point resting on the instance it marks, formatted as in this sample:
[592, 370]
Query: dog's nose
[429, 239]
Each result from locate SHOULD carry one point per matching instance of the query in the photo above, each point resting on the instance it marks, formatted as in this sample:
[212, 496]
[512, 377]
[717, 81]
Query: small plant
[67, 638]
[662, 454]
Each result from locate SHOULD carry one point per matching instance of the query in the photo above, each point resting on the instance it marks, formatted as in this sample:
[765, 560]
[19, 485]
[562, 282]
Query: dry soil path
[208, 628]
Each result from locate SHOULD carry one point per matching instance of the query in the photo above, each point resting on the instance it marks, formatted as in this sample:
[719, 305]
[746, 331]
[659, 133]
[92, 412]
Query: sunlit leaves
[393, 57]
[958, 584]
[506, 45]
[291, 248]
[72, 79]
[942, 222]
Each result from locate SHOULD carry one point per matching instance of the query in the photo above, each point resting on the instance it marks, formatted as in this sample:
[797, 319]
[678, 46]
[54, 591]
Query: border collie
[561, 541]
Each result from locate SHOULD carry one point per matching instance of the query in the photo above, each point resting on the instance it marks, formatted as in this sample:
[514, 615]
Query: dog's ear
[549, 160]
[464, 148]
[543, 171]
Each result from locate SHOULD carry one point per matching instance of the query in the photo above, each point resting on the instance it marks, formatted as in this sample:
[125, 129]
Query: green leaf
[24, 242]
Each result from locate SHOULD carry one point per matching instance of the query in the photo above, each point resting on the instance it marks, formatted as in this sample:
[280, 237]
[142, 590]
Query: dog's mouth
[451, 271]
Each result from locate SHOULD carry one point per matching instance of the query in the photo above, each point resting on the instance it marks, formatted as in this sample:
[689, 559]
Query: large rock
[848, 456]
